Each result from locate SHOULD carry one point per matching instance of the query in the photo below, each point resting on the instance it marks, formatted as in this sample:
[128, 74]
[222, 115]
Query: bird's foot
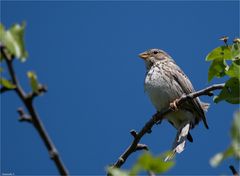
[174, 105]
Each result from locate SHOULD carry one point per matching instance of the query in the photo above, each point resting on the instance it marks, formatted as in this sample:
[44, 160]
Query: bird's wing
[187, 88]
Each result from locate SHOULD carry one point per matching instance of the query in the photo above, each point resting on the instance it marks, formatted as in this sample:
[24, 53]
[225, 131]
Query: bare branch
[141, 147]
[23, 117]
[32, 95]
[4, 89]
[133, 133]
[156, 118]
[234, 172]
[33, 116]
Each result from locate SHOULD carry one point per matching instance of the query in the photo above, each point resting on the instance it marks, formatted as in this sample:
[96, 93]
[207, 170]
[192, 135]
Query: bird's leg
[174, 105]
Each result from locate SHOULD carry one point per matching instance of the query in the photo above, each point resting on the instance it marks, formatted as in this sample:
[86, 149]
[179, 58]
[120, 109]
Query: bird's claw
[174, 106]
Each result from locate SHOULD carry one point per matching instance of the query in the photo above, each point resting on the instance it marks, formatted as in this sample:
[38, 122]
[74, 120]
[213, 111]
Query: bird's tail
[179, 142]
[205, 106]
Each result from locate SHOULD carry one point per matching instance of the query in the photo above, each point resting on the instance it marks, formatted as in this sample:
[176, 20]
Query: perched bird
[164, 83]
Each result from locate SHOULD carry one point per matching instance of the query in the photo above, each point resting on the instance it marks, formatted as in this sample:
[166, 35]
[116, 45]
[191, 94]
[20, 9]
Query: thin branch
[34, 117]
[23, 117]
[4, 89]
[141, 147]
[234, 172]
[32, 95]
[156, 118]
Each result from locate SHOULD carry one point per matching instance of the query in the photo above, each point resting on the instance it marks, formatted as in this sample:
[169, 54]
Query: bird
[165, 83]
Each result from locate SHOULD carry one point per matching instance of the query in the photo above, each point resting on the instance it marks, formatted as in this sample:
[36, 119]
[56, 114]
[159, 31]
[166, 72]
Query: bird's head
[153, 56]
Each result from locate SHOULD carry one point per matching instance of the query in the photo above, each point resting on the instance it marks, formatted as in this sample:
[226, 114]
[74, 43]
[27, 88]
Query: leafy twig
[33, 118]
[158, 117]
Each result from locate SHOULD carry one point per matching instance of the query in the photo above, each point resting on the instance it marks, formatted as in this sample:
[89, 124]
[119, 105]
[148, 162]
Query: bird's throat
[149, 65]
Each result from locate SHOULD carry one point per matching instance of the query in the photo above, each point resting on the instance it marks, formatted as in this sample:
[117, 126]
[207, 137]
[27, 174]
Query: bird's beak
[144, 55]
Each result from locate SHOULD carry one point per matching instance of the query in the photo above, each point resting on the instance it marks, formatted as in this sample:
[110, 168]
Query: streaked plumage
[166, 82]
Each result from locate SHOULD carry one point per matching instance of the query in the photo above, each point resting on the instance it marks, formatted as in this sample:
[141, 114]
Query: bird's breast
[161, 91]
[158, 87]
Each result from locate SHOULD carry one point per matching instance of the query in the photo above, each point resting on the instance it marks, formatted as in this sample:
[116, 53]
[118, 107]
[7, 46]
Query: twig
[234, 172]
[24, 117]
[158, 117]
[32, 95]
[34, 117]
[4, 89]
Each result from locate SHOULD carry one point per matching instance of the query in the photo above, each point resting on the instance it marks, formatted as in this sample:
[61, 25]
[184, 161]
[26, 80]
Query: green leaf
[13, 39]
[1, 38]
[33, 81]
[237, 61]
[234, 70]
[235, 130]
[230, 92]
[222, 52]
[235, 49]
[217, 69]
[154, 164]
[1, 29]
[235, 135]
[234, 149]
[6, 83]
[117, 172]
[146, 162]
[135, 170]
[219, 157]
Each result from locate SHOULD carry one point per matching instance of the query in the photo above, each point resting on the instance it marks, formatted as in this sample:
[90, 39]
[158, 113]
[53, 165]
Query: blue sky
[87, 55]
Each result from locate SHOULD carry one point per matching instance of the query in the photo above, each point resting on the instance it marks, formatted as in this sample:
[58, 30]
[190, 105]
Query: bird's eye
[155, 52]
